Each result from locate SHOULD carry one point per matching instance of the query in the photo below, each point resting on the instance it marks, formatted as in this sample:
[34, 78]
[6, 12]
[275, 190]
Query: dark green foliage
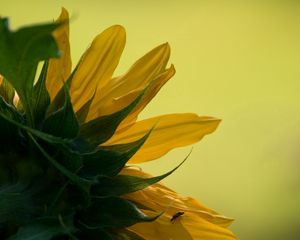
[21, 51]
[63, 122]
[45, 228]
[109, 160]
[113, 212]
[11, 137]
[123, 184]
[41, 98]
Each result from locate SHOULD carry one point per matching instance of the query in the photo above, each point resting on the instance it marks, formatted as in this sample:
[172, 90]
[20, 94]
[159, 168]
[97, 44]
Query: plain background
[235, 60]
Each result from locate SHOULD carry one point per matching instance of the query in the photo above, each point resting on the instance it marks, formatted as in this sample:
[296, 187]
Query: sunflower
[67, 140]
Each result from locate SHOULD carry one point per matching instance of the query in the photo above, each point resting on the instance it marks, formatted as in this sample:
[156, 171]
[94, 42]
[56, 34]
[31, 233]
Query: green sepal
[123, 184]
[75, 179]
[21, 52]
[113, 212]
[109, 160]
[70, 159]
[84, 110]
[101, 129]
[59, 99]
[63, 122]
[45, 229]
[10, 111]
[41, 98]
[142, 206]
[7, 91]
[44, 136]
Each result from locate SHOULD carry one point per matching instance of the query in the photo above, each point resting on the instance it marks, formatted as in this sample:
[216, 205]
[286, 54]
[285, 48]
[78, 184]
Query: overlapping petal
[170, 131]
[60, 69]
[97, 66]
[151, 90]
[108, 98]
[189, 227]
[198, 221]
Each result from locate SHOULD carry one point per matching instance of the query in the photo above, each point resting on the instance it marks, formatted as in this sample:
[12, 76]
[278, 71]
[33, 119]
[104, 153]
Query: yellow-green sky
[235, 60]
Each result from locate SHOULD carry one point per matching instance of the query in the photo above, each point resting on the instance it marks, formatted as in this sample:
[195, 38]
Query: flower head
[76, 131]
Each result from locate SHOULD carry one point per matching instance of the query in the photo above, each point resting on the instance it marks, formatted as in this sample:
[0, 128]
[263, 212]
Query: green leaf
[113, 212]
[7, 91]
[109, 160]
[63, 122]
[43, 229]
[101, 129]
[41, 98]
[21, 52]
[123, 184]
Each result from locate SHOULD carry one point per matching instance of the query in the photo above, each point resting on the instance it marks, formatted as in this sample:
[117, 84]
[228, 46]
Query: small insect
[176, 215]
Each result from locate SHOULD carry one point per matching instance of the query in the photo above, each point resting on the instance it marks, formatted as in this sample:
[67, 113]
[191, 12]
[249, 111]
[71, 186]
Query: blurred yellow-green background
[235, 60]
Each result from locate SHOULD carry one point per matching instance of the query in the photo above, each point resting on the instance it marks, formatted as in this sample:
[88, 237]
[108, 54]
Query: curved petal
[97, 65]
[138, 77]
[188, 227]
[59, 69]
[151, 91]
[171, 131]
[202, 229]
[198, 221]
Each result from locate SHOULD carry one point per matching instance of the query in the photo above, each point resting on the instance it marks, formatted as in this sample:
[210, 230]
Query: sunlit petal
[139, 76]
[150, 93]
[59, 69]
[197, 222]
[188, 227]
[97, 65]
[170, 131]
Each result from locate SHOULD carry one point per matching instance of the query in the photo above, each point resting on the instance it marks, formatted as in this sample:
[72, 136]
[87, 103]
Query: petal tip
[117, 29]
[64, 14]
[166, 47]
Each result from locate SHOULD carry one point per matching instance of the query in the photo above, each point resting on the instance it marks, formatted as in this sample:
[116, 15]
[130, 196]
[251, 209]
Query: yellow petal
[201, 229]
[164, 199]
[171, 131]
[139, 75]
[97, 65]
[187, 227]
[59, 69]
[151, 91]
[198, 221]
